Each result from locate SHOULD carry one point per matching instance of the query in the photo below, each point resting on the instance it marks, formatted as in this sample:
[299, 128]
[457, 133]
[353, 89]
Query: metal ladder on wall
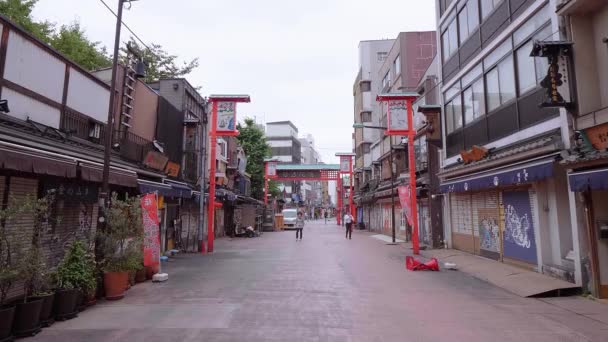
[128, 99]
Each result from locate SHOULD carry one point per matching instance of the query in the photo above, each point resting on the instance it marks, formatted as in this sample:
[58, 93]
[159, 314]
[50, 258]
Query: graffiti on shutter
[486, 223]
[519, 240]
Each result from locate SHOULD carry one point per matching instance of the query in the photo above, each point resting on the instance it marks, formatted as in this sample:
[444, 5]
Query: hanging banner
[397, 115]
[518, 241]
[405, 198]
[226, 117]
[149, 211]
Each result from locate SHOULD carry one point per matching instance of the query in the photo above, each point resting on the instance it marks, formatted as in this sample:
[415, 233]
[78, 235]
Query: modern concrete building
[372, 54]
[505, 195]
[311, 190]
[282, 136]
[407, 60]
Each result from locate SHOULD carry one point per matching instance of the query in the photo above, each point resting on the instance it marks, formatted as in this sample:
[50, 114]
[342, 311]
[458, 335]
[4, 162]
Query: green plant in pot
[8, 276]
[75, 280]
[32, 265]
[118, 241]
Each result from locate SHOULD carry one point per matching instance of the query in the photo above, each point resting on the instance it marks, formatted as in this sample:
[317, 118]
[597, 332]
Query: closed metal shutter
[486, 227]
[462, 225]
[519, 240]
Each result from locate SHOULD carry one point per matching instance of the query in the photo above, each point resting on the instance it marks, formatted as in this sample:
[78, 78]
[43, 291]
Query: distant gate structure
[311, 172]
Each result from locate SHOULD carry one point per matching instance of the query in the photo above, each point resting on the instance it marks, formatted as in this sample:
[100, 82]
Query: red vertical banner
[405, 198]
[149, 206]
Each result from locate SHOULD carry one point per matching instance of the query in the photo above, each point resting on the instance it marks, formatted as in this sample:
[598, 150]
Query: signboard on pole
[226, 117]
[149, 206]
[345, 164]
[405, 198]
[397, 115]
[272, 170]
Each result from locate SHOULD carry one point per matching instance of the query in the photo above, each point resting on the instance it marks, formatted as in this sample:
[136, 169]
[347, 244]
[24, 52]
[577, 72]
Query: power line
[128, 28]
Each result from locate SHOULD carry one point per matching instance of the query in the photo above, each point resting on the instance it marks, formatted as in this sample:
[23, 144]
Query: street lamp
[360, 125]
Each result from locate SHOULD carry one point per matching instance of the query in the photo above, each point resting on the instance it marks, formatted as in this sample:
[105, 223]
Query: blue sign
[518, 239]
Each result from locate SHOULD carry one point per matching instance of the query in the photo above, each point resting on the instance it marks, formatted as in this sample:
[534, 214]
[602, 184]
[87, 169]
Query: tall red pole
[212, 161]
[412, 167]
[351, 207]
[265, 183]
[340, 195]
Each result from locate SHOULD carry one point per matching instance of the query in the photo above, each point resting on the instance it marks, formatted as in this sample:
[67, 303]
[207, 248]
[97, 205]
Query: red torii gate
[311, 172]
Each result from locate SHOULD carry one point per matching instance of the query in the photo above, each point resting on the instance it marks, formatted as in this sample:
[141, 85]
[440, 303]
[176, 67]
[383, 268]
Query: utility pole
[392, 193]
[203, 182]
[104, 197]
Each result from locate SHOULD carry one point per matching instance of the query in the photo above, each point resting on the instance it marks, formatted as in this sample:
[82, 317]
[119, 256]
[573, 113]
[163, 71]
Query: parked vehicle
[289, 217]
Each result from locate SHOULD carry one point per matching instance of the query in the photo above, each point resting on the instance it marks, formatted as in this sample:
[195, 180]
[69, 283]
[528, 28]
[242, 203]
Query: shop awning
[180, 189]
[521, 174]
[589, 180]
[146, 187]
[94, 173]
[38, 162]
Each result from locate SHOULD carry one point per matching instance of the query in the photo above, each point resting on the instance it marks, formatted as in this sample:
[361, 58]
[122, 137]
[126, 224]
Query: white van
[289, 217]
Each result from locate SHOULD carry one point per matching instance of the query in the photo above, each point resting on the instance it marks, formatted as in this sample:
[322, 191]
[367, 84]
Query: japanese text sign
[226, 117]
[149, 208]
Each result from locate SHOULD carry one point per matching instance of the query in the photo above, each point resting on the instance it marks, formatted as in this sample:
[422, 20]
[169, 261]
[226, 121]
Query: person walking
[299, 226]
[326, 215]
[348, 220]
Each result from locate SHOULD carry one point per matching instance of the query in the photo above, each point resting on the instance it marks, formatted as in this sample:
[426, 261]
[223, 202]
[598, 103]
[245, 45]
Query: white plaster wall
[33, 68]
[23, 107]
[280, 130]
[87, 96]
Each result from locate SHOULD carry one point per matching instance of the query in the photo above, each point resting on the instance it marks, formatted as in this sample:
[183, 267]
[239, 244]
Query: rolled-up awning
[146, 187]
[37, 161]
[94, 173]
[180, 189]
[589, 180]
[514, 175]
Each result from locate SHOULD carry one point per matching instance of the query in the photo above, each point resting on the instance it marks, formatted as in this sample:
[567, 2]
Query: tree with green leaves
[160, 63]
[20, 11]
[253, 141]
[72, 41]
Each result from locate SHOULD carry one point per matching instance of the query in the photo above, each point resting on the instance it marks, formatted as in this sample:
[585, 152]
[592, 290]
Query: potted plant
[46, 293]
[32, 267]
[118, 241]
[8, 276]
[75, 280]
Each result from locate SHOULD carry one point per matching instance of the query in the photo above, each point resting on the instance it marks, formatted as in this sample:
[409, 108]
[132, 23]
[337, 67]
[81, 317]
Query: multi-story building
[587, 160]
[406, 62]
[505, 196]
[282, 136]
[311, 190]
[372, 54]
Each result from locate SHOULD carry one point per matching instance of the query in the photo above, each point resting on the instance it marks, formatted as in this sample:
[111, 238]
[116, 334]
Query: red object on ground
[415, 265]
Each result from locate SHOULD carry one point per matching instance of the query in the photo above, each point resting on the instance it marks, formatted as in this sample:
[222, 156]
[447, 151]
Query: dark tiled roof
[576, 158]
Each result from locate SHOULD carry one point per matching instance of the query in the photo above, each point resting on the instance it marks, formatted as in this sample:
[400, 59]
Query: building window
[382, 56]
[365, 86]
[366, 148]
[468, 19]
[366, 117]
[453, 114]
[487, 6]
[386, 81]
[397, 65]
[421, 153]
[530, 70]
[473, 102]
[500, 84]
[449, 40]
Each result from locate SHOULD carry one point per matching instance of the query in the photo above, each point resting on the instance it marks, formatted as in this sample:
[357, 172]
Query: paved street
[324, 288]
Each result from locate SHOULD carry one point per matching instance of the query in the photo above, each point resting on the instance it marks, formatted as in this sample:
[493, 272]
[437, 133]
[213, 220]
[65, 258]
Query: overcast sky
[297, 59]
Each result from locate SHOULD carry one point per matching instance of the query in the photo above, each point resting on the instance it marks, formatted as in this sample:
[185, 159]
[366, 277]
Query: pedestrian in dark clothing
[299, 226]
[326, 215]
[348, 220]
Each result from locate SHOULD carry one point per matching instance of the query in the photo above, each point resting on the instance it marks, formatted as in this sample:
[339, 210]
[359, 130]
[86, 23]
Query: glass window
[457, 107]
[493, 90]
[531, 25]
[454, 89]
[497, 54]
[449, 40]
[487, 6]
[473, 102]
[397, 65]
[445, 45]
[472, 75]
[468, 20]
[526, 74]
[506, 76]
[449, 117]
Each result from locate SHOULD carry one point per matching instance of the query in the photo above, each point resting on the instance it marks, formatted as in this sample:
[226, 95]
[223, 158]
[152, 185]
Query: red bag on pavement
[415, 265]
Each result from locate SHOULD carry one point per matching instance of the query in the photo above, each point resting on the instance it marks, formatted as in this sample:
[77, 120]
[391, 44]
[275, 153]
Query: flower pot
[7, 315]
[140, 276]
[90, 299]
[66, 304]
[131, 278]
[46, 314]
[115, 284]
[27, 318]
[82, 304]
